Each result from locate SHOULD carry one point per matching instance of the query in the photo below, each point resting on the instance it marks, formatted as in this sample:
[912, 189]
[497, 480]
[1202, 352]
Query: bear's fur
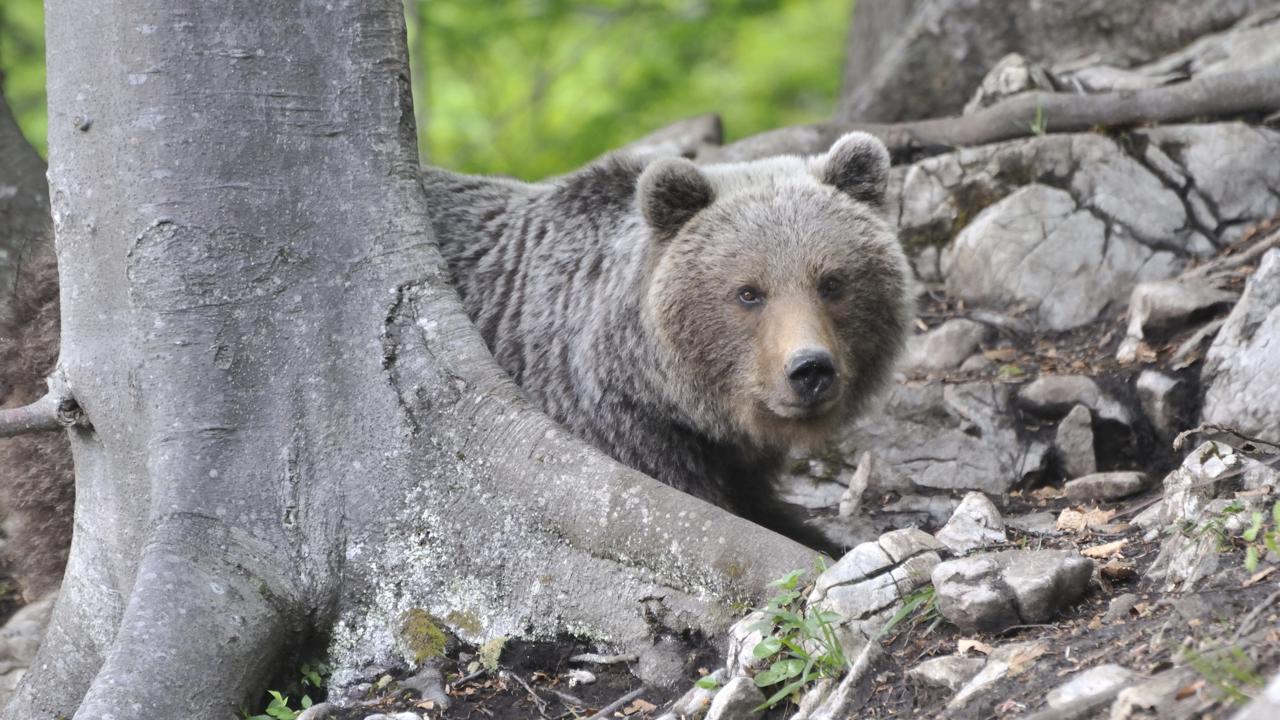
[37, 490]
[665, 313]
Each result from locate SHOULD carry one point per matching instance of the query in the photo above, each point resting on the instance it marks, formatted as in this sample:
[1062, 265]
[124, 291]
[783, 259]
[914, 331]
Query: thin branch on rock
[1223, 95]
[607, 710]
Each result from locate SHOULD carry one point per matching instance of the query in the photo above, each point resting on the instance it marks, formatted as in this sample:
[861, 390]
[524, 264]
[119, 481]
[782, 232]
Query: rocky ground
[1067, 505]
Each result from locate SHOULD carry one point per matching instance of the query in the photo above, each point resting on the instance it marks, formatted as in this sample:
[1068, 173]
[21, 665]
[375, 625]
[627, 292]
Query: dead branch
[1224, 95]
[57, 410]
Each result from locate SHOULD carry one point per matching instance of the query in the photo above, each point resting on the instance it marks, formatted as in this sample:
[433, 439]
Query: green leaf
[708, 683]
[1275, 513]
[789, 668]
[306, 701]
[1251, 558]
[1255, 525]
[789, 581]
[766, 647]
[1270, 541]
[785, 692]
[767, 678]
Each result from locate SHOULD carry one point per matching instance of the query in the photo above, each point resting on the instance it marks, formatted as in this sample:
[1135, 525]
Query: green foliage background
[537, 87]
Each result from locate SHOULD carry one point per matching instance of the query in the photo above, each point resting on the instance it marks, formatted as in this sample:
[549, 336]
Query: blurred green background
[537, 87]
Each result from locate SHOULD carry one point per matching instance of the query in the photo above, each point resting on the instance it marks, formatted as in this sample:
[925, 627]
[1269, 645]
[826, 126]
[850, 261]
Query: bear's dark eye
[748, 295]
[830, 288]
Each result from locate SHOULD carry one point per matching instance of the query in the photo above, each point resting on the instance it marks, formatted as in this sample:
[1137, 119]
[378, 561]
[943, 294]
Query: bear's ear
[858, 165]
[671, 191]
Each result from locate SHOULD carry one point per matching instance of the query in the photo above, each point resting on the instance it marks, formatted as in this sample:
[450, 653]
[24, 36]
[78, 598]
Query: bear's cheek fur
[707, 350]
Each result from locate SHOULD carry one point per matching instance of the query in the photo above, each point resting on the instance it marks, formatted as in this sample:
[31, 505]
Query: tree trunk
[295, 428]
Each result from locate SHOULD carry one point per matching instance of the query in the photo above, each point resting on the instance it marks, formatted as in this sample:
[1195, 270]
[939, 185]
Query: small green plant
[1040, 123]
[921, 606]
[1259, 537]
[708, 683]
[280, 705]
[799, 642]
[1214, 526]
[1231, 672]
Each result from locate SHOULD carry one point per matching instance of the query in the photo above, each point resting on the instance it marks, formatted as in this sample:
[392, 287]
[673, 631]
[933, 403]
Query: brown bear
[693, 322]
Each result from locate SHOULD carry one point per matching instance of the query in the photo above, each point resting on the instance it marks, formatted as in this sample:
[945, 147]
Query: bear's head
[778, 294]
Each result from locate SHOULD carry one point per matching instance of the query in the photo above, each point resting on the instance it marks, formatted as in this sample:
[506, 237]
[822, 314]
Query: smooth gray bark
[294, 426]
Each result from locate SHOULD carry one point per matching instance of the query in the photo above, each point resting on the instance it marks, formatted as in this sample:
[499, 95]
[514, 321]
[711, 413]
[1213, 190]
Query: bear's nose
[812, 373]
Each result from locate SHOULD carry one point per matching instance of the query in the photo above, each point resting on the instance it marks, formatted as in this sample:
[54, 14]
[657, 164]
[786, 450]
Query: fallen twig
[602, 659]
[1221, 95]
[537, 699]
[604, 711]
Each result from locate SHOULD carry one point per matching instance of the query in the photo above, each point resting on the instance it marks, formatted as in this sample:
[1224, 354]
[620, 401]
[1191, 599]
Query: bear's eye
[830, 288]
[748, 295]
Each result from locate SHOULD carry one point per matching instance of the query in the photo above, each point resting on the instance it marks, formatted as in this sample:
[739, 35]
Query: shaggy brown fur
[37, 487]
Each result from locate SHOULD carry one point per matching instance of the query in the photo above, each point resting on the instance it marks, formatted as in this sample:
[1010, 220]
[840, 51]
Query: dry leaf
[1002, 355]
[1073, 520]
[1111, 549]
[1259, 576]
[1023, 658]
[967, 644]
[1047, 492]
[1187, 691]
[1118, 570]
[637, 706]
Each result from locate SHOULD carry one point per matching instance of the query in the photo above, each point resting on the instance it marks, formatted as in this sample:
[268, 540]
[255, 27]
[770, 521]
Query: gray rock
[949, 671]
[1102, 681]
[21, 635]
[973, 444]
[1157, 697]
[1073, 443]
[998, 665]
[1037, 523]
[737, 700]
[993, 591]
[394, 716]
[1010, 76]
[1119, 608]
[976, 523]
[1233, 167]
[1242, 368]
[1166, 304]
[866, 586]
[943, 347]
[976, 363]
[930, 510]
[941, 50]
[925, 262]
[1105, 486]
[1266, 706]
[744, 636]
[851, 499]
[1162, 398]
[814, 698]
[1055, 395]
[428, 683]
[661, 663]
[319, 711]
[810, 493]
[695, 703]
[1038, 248]
[1197, 481]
